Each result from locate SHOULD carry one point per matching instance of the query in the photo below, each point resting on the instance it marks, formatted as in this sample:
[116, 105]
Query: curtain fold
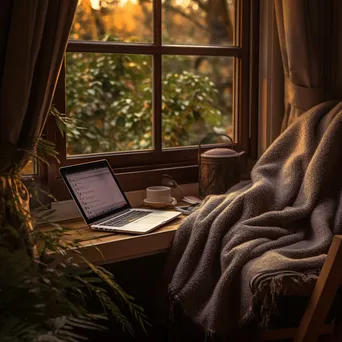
[307, 42]
[33, 38]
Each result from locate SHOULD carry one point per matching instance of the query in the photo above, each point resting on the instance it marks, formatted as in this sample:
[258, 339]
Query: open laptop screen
[95, 190]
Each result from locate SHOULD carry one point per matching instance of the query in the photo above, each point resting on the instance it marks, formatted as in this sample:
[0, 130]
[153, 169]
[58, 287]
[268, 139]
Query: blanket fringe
[266, 297]
[264, 304]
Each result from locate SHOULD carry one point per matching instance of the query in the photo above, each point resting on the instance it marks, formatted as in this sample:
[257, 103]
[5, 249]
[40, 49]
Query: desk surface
[103, 247]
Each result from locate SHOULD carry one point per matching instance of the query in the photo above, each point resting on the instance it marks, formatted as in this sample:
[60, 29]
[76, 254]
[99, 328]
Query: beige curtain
[33, 38]
[310, 35]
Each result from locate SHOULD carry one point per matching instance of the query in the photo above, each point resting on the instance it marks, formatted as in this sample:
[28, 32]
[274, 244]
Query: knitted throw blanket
[232, 258]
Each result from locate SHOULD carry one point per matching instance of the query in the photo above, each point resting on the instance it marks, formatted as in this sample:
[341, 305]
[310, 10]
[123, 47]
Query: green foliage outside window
[110, 95]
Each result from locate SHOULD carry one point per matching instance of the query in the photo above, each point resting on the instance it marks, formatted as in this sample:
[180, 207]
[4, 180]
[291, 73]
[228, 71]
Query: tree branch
[186, 16]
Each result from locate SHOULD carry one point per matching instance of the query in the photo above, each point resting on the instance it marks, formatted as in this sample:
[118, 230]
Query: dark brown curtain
[33, 38]
[310, 40]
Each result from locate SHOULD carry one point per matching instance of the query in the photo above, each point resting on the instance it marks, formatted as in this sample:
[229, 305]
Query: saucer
[160, 204]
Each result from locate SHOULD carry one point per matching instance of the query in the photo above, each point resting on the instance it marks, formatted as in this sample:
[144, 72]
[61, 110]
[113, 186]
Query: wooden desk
[103, 248]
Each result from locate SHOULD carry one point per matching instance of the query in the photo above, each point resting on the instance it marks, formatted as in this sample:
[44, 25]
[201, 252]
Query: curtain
[310, 42]
[271, 79]
[33, 38]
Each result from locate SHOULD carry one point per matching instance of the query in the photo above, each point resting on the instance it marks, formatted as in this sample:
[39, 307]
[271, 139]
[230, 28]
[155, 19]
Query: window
[29, 169]
[145, 80]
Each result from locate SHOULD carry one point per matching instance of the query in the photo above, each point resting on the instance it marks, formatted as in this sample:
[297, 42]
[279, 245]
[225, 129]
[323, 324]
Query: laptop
[103, 204]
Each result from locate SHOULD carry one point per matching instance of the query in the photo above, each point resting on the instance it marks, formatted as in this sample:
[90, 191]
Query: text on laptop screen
[96, 191]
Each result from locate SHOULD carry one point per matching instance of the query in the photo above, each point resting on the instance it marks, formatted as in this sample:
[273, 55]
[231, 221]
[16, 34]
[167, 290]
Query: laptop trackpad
[150, 219]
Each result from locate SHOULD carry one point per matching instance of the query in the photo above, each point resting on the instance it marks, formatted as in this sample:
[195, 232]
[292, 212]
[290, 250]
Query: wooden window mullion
[157, 76]
[150, 49]
[157, 99]
[243, 75]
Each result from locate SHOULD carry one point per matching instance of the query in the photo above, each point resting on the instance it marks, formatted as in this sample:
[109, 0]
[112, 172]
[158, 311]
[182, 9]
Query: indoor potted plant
[44, 301]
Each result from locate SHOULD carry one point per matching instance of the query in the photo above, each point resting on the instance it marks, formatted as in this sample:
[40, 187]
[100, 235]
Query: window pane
[123, 20]
[196, 98]
[208, 22]
[110, 96]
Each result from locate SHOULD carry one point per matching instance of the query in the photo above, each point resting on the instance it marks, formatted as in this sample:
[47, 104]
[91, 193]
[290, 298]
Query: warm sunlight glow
[95, 4]
[123, 3]
[183, 3]
[195, 7]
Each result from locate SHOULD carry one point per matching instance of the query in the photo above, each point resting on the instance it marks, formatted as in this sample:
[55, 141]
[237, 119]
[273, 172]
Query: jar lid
[220, 152]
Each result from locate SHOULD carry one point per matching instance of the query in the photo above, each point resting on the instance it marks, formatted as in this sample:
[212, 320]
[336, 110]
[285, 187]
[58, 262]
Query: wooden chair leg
[323, 294]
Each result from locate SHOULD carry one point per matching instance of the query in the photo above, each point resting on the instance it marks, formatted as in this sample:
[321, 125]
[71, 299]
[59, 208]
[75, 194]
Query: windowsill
[104, 248]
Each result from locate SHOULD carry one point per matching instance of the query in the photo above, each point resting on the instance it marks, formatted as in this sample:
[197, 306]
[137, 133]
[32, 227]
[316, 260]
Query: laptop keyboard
[126, 218]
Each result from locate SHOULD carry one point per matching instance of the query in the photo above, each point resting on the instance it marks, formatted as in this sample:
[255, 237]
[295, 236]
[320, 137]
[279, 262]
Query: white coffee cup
[158, 194]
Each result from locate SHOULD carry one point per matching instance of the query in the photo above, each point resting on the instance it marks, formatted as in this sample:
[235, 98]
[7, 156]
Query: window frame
[139, 169]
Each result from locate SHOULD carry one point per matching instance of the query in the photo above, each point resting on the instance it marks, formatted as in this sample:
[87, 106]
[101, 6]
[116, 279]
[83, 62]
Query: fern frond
[63, 122]
[46, 150]
[87, 322]
[109, 306]
[136, 311]
[48, 338]
[13, 330]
